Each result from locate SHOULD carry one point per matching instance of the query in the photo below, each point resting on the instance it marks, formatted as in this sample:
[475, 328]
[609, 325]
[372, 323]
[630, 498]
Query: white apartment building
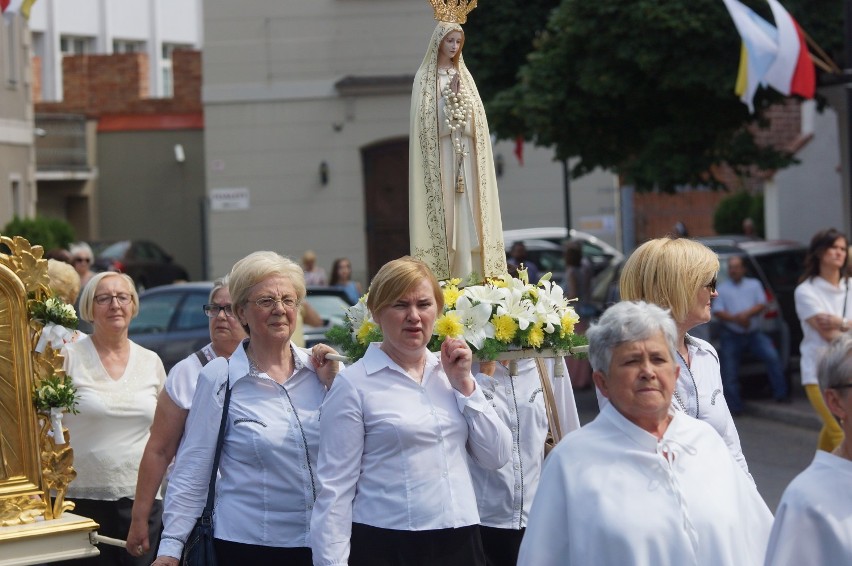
[76, 27]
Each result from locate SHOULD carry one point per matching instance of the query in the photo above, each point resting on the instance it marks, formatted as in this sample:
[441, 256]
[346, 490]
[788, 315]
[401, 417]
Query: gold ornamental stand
[34, 471]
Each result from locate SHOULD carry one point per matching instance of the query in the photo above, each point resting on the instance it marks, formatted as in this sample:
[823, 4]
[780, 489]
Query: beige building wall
[17, 186]
[273, 114]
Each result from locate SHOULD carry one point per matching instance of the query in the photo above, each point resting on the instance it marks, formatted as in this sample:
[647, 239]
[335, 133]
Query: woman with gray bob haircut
[664, 486]
[813, 524]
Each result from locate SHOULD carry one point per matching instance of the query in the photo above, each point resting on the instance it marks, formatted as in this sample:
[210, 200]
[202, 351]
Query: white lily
[357, 314]
[476, 321]
[487, 294]
[514, 305]
[551, 305]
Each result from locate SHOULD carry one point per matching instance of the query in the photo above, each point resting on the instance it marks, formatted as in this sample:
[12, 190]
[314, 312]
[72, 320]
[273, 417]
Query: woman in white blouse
[824, 309]
[680, 275]
[396, 430]
[117, 385]
[267, 484]
[504, 496]
[642, 484]
[173, 406]
[813, 524]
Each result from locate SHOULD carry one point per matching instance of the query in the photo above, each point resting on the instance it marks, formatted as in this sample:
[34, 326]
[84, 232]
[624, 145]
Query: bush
[732, 210]
[50, 233]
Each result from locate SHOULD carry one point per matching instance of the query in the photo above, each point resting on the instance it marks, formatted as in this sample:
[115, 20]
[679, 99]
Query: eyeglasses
[212, 310]
[712, 285]
[841, 386]
[82, 260]
[122, 298]
[268, 303]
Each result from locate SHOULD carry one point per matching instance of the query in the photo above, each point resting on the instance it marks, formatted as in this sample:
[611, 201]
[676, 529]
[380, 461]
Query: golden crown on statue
[452, 11]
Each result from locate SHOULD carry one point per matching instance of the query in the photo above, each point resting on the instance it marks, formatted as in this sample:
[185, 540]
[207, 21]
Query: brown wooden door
[386, 201]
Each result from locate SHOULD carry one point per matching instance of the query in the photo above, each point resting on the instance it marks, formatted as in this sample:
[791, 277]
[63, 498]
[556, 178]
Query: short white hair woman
[643, 483]
[267, 483]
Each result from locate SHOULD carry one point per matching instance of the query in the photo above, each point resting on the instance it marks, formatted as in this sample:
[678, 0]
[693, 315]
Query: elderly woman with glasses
[267, 484]
[397, 430]
[679, 274]
[643, 484]
[117, 385]
[173, 406]
[813, 524]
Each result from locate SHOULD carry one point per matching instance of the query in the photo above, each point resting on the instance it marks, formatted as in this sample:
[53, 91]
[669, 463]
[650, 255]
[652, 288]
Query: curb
[784, 414]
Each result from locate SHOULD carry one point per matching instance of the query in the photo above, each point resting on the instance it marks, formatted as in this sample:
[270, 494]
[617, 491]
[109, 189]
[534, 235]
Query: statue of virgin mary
[454, 211]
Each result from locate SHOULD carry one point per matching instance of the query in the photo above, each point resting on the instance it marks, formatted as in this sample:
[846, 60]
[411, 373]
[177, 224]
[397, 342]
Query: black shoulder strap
[202, 357]
[211, 490]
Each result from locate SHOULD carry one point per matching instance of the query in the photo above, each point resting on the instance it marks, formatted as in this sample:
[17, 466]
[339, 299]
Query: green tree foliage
[641, 87]
[732, 210]
[50, 233]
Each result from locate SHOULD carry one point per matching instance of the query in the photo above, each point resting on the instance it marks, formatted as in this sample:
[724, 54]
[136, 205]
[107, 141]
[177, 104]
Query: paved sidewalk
[798, 413]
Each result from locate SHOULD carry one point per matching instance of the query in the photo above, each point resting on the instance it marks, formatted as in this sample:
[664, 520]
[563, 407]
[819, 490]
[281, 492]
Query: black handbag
[198, 550]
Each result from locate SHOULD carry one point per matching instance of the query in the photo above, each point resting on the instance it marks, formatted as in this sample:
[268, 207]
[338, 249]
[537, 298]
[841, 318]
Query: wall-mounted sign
[229, 199]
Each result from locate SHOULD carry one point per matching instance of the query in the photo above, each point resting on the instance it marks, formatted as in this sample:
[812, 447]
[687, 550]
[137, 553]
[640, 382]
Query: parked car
[545, 248]
[145, 262]
[172, 322]
[777, 264]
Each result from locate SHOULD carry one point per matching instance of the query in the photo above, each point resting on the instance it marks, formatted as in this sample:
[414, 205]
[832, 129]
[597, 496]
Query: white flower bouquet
[58, 318]
[493, 317]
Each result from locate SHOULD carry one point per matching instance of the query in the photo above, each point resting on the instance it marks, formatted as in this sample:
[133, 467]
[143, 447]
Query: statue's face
[451, 44]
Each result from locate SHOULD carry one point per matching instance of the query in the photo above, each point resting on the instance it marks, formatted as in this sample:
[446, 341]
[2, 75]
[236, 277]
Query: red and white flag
[793, 71]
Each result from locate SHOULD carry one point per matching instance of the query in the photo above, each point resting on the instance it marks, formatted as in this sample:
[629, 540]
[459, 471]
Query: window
[127, 46]
[166, 70]
[10, 51]
[75, 45]
[191, 314]
[157, 313]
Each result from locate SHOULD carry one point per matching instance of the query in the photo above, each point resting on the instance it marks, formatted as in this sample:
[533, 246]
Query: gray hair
[78, 247]
[218, 284]
[628, 321]
[835, 366]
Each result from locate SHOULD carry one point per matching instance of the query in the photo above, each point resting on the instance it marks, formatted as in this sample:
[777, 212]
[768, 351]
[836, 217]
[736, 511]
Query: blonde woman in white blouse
[117, 384]
[396, 431]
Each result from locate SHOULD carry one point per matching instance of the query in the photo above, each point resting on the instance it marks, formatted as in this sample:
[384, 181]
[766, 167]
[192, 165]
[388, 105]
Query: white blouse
[267, 485]
[393, 453]
[612, 494]
[813, 524]
[183, 377]
[112, 427]
[814, 296]
[699, 393]
[505, 496]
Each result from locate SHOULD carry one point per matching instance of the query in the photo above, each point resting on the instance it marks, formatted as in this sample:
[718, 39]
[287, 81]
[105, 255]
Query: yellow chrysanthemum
[533, 293]
[536, 336]
[455, 281]
[569, 319]
[449, 326]
[499, 283]
[364, 331]
[505, 328]
[451, 295]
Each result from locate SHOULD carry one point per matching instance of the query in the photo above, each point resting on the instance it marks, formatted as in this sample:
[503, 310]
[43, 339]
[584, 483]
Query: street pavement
[778, 440]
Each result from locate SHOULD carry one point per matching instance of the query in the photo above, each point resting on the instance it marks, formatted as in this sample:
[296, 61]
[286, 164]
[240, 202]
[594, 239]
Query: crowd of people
[408, 456]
